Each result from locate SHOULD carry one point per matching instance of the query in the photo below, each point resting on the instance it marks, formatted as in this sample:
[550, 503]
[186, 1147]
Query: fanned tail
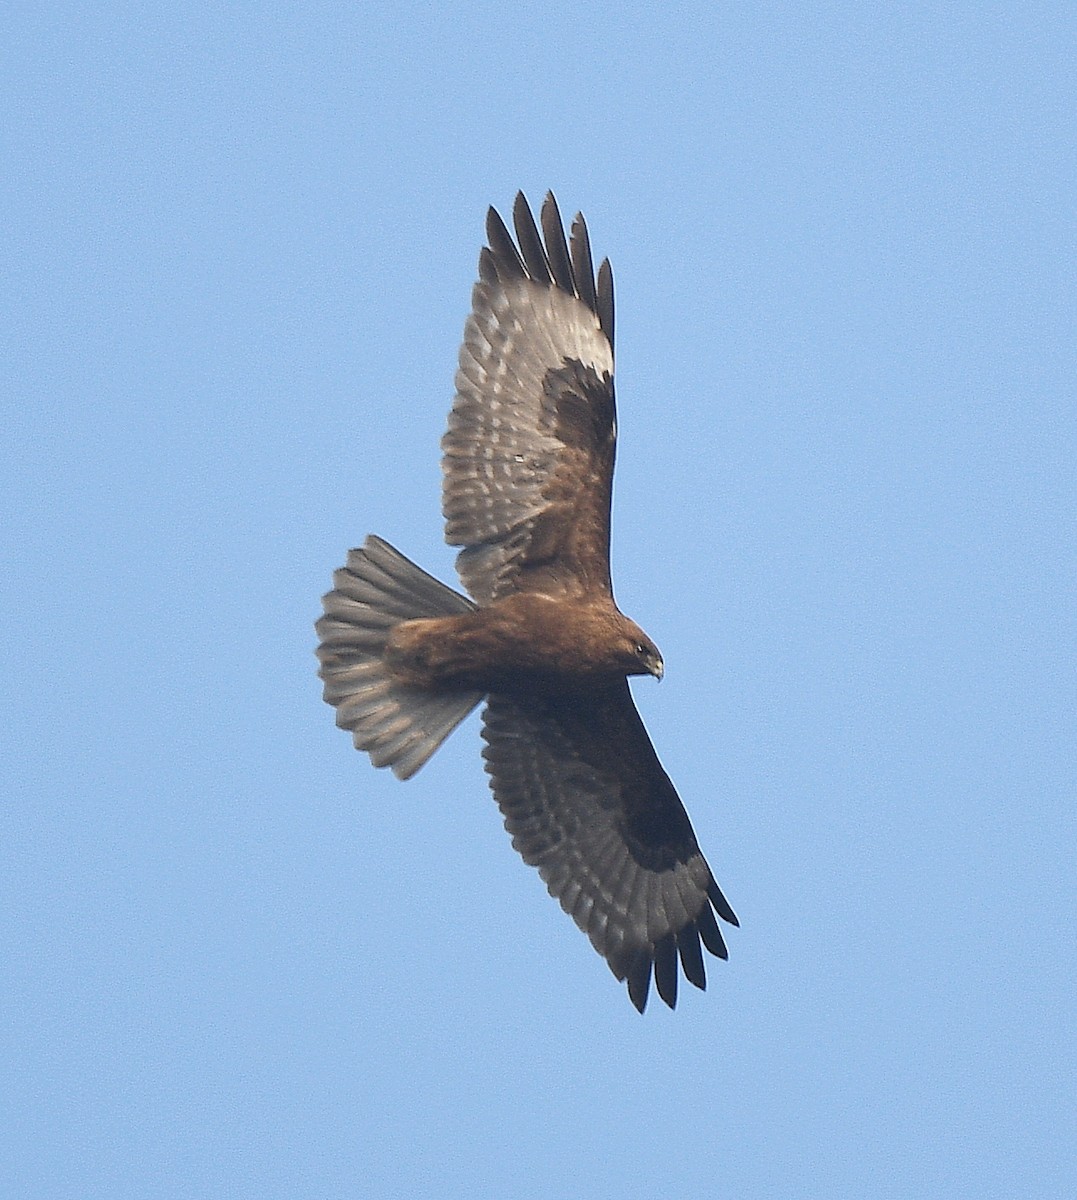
[397, 725]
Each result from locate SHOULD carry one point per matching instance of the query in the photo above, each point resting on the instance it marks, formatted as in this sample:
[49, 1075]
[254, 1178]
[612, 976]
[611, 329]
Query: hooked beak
[659, 669]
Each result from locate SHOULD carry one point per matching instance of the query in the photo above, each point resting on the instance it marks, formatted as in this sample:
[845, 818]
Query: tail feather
[398, 726]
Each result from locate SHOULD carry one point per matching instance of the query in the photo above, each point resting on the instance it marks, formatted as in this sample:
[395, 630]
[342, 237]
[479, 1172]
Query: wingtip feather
[639, 980]
[721, 904]
[665, 969]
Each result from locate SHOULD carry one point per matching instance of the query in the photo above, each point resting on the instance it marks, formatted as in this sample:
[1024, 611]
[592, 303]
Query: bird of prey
[528, 473]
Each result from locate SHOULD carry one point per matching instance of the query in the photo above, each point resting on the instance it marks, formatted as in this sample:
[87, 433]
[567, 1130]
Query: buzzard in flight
[528, 473]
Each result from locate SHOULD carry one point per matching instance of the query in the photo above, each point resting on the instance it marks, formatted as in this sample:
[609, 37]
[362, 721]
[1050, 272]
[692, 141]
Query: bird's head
[639, 654]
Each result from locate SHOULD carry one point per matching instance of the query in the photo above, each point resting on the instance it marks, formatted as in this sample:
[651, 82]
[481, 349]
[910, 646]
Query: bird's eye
[641, 650]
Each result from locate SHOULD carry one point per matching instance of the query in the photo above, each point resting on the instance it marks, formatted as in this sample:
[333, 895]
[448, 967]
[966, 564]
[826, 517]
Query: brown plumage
[528, 475]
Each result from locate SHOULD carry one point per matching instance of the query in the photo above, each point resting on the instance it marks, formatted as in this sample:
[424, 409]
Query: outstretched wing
[528, 456]
[587, 802]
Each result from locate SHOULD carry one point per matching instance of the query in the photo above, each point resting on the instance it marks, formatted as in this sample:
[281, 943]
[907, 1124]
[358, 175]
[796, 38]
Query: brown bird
[528, 475]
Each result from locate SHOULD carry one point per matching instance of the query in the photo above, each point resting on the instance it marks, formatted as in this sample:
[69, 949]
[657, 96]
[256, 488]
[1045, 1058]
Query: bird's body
[528, 465]
[521, 642]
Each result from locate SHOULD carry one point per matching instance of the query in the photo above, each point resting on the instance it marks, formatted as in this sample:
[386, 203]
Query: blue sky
[239, 246]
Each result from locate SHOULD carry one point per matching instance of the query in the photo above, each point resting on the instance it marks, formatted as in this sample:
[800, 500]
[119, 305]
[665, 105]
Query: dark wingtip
[639, 980]
[531, 248]
[502, 247]
[710, 933]
[557, 253]
[665, 969]
[692, 956]
[583, 269]
[543, 253]
[488, 271]
[721, 904]
[604, 299]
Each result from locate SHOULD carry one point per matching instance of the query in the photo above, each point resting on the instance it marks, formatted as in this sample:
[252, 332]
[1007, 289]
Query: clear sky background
[238, 245]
